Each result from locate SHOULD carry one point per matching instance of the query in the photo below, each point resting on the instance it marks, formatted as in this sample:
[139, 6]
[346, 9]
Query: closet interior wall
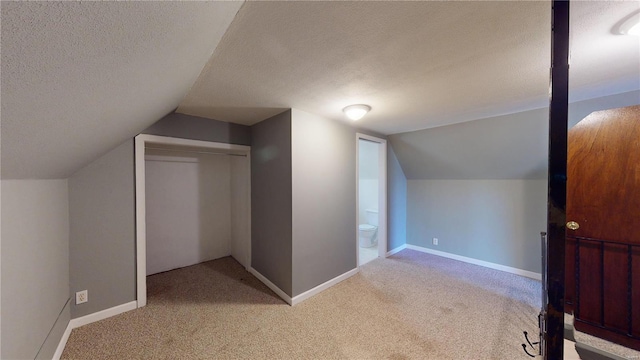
[196, 207]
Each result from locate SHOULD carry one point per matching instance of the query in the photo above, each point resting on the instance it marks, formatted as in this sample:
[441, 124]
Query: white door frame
[141, 228]
[382, 194]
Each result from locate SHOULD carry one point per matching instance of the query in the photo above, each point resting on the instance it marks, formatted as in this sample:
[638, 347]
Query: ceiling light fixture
[631, 26]
[356, 112]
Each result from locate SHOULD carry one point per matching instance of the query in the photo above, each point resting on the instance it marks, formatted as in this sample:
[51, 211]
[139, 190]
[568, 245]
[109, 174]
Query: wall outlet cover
[82, 297]
[435, 241]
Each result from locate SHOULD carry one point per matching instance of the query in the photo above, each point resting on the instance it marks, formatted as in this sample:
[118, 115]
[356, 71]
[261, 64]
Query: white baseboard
[396, 250]
[101, 315]
[63, 342]
[526, 273]
[88, 319]
[309, 293]
[271, 285]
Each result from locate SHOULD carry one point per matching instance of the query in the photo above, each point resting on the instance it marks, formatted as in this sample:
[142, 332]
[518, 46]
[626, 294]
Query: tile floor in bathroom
[368, 254]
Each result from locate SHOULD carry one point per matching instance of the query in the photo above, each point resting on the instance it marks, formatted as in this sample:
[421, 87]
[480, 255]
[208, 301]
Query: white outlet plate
[82, 297]
[435, 241]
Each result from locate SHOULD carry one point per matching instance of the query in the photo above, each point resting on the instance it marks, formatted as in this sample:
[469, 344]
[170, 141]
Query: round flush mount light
[356, 112]
[631, 26]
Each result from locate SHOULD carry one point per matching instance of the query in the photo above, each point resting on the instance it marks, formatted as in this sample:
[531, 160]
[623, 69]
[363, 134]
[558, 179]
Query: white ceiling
[78, 78]
[418, 64]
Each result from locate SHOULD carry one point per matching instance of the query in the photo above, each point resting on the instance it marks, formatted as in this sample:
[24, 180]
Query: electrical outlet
[435, 241]
[82, 297]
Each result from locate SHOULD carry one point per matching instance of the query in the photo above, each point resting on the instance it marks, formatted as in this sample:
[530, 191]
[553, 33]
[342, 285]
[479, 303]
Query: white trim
[141, 224]
[166, 140]
[396, 250]
[63, 342]
[101, 315]
[141, 231]
[309, 293]
[382, 194]
[88, 319]
[526, 273]
[271, 286]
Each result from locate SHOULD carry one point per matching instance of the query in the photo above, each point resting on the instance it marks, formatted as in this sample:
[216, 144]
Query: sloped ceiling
[504, 147]
[78, 78]
[418, 64]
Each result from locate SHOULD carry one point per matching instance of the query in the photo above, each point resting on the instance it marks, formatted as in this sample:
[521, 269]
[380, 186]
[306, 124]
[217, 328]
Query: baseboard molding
[309, 293]
[396, 250]
[521, 272]
[63, 342]
[88, 319]
[271, 286]
[101, 315]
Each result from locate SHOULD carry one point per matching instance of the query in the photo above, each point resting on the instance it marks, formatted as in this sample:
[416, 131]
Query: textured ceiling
[78, 78]
[418, 64]
[603, 62]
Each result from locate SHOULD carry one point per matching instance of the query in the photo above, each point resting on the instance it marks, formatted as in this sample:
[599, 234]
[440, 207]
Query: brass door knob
[572, 225]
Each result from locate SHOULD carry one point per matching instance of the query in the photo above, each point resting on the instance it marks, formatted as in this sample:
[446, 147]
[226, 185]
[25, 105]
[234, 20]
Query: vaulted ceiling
[77, 78]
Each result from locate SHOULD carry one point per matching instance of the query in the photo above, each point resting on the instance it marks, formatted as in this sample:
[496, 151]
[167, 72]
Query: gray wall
[498, 221]
[503, 147]
[324, 200]
[271, 234]
[197, 128]
[579, 110]
[469, 183]
[396, 202]
[102, 231]
[55, 335]
[35, 267]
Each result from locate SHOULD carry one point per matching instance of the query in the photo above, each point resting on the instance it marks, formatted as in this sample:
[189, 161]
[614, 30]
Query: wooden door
[603, 228]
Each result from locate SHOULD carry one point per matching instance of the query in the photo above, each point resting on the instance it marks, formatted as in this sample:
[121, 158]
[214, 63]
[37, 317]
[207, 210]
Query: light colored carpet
[409, 306]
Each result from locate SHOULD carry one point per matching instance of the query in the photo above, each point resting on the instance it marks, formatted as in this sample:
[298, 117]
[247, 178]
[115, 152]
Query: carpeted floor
[409, 306]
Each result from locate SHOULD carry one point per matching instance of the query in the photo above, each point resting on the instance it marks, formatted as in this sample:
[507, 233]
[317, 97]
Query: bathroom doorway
[371, 198]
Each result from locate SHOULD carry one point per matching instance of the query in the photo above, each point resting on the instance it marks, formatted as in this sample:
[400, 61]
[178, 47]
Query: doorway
[195, 208]
[602, 252]
[371, 198]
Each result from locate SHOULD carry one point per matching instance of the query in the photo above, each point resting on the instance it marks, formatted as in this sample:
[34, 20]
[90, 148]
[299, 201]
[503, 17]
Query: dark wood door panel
[616, 295]
[602, 255]
[590, 282]
[570, 274]
[603, 175]
[635, 289]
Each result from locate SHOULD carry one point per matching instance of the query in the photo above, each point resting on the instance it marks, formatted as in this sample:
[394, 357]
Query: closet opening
[192, 205]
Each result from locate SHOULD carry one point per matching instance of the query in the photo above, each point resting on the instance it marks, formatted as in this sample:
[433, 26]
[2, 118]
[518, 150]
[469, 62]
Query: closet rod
[195, 152]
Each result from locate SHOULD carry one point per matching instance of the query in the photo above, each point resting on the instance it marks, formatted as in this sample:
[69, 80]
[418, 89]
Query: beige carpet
[409, 306]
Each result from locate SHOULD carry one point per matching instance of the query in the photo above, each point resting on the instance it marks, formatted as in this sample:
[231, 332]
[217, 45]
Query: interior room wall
[367, 178]
[580, 109]
[396, 202]
[102, 231]
[102, 213]
[240, 219]
[472, 181]
[271, 206]
[188, 208]
[35, 267]
[498, 221]
[197, 128]
[324, 200]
